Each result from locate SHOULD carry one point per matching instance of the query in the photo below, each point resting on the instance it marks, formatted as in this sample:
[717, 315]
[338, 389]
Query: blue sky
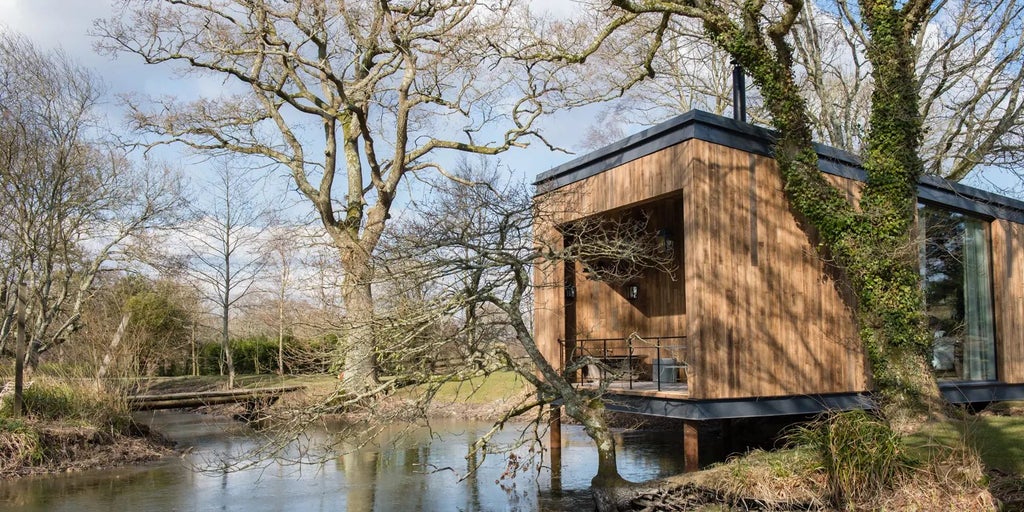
[65, 24]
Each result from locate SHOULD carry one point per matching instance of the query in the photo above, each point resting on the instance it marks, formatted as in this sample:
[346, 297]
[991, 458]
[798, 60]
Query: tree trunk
[892, 295]
[19, 357]
[280, 337]
[114, 343]
[225, 347]
[31, 352]
[195, 352]
[607, 486]
[360, 365]
[357, 347]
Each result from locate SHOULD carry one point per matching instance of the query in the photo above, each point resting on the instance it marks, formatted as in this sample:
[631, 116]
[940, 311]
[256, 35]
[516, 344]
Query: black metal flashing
[753, 407]
[980, 392]
[700, 125]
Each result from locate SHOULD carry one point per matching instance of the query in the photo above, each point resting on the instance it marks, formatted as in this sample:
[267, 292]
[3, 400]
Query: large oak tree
[350, 96]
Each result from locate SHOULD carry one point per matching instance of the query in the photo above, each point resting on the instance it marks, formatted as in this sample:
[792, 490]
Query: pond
[419, 473]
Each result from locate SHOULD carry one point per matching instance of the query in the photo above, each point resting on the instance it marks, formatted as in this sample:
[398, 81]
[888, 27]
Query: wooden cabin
[752, 323]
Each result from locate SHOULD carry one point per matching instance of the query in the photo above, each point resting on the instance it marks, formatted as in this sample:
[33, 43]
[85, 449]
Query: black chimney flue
[739, 93]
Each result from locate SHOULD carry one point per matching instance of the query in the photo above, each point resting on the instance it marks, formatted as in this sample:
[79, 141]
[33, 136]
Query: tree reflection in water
[420, 473]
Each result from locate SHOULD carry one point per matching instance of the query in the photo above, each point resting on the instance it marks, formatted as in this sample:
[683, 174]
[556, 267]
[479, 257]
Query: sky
[65, 25]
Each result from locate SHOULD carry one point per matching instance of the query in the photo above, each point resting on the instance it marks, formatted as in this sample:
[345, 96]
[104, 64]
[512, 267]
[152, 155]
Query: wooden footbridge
[254, 399]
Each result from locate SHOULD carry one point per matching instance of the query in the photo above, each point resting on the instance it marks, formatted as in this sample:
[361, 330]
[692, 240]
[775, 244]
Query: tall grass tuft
[19, 445]
[74, 402]
[861, 455]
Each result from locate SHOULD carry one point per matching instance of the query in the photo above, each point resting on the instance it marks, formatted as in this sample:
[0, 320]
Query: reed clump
[19, 445]
[860, 454]
[74, 403]
[867, 464]
[68, 424]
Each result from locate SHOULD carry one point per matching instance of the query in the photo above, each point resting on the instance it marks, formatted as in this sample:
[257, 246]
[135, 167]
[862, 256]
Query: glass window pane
[957, 290]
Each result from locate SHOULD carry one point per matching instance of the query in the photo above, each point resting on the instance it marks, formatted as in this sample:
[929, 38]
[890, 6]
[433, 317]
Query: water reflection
[420, 473]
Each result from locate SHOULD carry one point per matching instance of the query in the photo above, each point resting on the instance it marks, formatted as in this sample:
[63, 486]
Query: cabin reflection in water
[752, 323]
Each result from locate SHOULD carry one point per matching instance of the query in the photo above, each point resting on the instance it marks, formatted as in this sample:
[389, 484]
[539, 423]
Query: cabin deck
[645, 388]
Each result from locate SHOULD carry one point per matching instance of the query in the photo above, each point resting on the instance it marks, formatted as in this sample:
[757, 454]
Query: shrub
[860, 454]
[309, 356]
[255, 349]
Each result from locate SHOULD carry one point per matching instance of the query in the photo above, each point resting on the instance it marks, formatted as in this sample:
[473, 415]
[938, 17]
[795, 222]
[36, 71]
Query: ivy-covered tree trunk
[891, 301]
[873, 243]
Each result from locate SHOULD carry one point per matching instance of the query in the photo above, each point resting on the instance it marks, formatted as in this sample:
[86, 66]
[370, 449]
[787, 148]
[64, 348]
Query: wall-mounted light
[632, 292]
[665, 241]
[570, 291]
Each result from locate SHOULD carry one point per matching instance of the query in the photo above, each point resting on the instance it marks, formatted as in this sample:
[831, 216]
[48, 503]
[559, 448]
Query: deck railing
[625, 356]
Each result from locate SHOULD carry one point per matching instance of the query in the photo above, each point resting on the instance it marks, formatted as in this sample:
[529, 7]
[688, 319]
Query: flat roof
[700, 125]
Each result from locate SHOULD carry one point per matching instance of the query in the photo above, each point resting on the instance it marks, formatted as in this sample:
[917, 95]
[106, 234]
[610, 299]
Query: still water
[419, 473]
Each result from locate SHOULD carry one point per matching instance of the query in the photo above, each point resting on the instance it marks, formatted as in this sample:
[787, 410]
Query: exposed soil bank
[61, 448]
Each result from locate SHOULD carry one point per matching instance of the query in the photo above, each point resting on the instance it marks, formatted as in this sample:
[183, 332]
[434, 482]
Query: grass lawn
[998, 439]
[481, 390]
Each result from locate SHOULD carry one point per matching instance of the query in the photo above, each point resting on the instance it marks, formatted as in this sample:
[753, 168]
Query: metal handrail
[655, 342]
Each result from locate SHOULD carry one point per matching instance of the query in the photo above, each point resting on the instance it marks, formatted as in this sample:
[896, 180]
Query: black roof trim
[700, 125]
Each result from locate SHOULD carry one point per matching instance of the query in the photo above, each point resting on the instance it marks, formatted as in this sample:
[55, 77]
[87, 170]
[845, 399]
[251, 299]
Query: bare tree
[73, 204]
[283, 248]
[225, 245]
[477, 246]
[378, 88]
[968, 73]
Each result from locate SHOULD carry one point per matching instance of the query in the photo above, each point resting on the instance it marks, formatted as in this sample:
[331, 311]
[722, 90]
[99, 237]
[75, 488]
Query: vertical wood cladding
[762, 314]
[766, 318]
[601, 309]
[1008, 295]
[548, 297]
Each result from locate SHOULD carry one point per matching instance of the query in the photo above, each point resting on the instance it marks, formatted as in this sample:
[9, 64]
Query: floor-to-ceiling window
[958, 294]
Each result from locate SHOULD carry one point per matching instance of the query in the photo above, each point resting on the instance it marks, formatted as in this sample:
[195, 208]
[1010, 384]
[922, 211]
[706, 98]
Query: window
[958, 294]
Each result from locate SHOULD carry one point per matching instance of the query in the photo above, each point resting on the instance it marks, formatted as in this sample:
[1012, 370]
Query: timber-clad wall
[761, 314]
[761, 317]
[765, 318]
[1008, 295]
[601, 310]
